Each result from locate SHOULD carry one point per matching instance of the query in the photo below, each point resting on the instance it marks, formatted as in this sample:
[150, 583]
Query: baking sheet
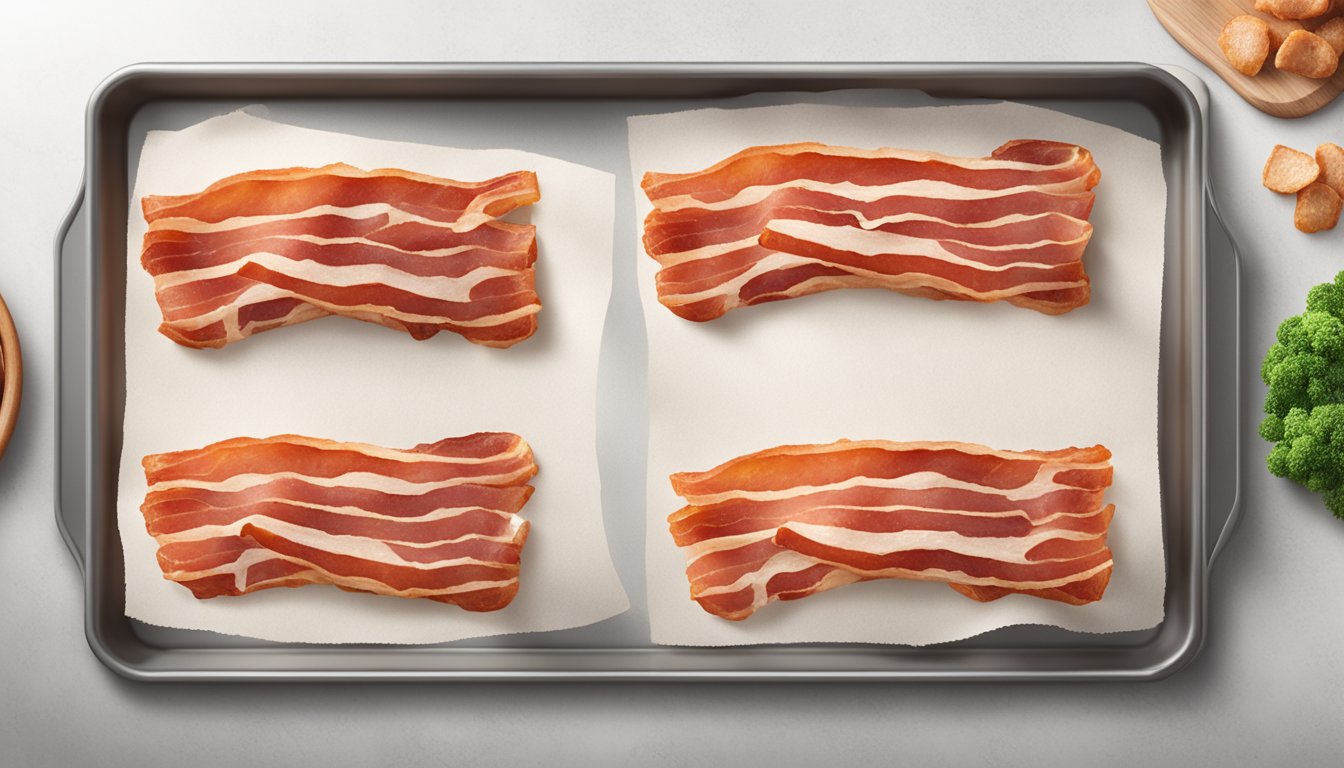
[874, 365]
[356, 381]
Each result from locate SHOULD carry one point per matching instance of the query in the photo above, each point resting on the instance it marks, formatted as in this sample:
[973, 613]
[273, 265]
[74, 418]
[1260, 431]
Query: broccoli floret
[1334, 501]
[1304, 407]
[1328, 297]
[1311, 450]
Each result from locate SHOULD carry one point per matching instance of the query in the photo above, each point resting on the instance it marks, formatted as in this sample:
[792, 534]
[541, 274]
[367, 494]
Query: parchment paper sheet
[349, 380]
[869, 364]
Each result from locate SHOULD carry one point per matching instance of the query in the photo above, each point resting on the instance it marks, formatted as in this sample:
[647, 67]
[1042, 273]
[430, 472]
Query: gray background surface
[1264, 690]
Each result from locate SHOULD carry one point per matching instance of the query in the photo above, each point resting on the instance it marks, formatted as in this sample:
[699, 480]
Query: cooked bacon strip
[413, 252]
[792, 521]
[438, 520]
[285, 191]
[779, 222]
[491, 306]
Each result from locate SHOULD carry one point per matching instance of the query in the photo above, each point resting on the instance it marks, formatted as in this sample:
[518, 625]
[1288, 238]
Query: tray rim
[1190, 640]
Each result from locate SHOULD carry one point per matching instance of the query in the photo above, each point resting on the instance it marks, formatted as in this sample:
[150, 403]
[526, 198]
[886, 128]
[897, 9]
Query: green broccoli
[1304, 408]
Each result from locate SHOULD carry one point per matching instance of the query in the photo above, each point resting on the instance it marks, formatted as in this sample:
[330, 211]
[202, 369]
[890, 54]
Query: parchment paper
[870, 364]
[349, 380]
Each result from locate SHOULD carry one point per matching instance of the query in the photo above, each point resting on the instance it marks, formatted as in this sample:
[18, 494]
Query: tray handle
[71, 496]
[1230, 259]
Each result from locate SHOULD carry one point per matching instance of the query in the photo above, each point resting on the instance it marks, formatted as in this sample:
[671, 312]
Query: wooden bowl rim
[12, 357]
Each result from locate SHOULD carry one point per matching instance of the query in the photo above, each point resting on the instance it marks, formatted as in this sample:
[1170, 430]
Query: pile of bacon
[416, 253]
[438, 521]
[779, 222]
[792, 521]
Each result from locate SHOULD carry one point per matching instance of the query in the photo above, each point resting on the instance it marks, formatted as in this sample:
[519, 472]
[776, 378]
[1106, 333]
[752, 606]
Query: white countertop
[1265, 690]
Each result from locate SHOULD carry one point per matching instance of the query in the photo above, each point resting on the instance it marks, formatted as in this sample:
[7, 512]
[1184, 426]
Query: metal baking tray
[577, 112]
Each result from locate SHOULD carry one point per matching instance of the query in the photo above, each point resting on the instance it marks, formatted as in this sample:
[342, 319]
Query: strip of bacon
[416, 253]
[778, 222]
[438, 521]
[286, 191]
[792, 521]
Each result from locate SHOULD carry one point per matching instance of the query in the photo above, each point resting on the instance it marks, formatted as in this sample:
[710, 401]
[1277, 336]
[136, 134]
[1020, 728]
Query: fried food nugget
[1288, 170]
[1318, 208]
[1293, 9]
[1332, 32]
[1279, 30]
[1245, 43]
[1330, 158]
[1307, 54]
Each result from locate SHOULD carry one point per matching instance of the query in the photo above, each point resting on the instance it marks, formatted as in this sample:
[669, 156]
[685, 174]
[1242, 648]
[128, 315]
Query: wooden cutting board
[1196, 24]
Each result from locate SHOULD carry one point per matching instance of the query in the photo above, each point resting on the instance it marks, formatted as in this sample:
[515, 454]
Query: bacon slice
[792, 521]
[438, 521]
[417, 253]
[778, 222]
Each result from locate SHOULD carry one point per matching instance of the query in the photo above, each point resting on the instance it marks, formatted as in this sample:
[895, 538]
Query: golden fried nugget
[1279, 30]
[1307, 54]
[1293, 9]
[1245, 43]
[1288, 170]
[1330, 158]
[1318, 208]
[1332, 32]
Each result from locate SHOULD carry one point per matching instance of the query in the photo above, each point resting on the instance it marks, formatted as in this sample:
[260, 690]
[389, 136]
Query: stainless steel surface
[534, 107]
